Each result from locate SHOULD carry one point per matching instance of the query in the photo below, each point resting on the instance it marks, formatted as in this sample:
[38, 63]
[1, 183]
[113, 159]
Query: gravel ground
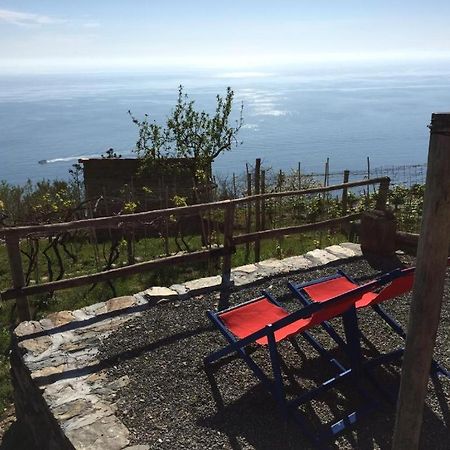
[171, 403]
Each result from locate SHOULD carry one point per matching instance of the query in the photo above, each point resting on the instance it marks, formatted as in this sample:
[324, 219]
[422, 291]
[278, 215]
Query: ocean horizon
[296, 115]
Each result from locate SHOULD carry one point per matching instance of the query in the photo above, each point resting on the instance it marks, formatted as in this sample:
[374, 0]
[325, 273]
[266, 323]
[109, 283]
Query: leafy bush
[189, 133]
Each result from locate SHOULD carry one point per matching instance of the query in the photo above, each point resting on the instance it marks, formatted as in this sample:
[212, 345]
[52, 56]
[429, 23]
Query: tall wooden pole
[428, 287]
[227, 258]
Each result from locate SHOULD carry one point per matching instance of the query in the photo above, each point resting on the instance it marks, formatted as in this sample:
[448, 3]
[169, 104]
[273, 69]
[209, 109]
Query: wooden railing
[13, 236]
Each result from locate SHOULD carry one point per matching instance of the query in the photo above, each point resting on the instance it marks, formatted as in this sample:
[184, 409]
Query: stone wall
[32, 411]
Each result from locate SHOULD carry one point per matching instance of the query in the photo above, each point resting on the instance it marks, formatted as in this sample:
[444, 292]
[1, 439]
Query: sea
[292, 115]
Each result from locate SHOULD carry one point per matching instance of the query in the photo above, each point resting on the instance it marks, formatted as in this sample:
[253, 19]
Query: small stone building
[120, 180]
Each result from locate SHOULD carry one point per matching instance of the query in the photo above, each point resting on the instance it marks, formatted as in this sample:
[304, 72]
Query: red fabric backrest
[331, 288]
[397, 287]
[334, 310]
[328, 289]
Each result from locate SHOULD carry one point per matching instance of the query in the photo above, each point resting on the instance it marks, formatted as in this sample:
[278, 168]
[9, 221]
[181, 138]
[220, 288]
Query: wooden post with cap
[428, 288]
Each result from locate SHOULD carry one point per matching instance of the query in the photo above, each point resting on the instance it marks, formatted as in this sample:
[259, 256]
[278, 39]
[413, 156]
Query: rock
[61, 318]
[320, 257]
[117, 303]
[28, 327]
[160, 291]
[36, 345]
[80, 314]
[203, 284]
[96, 309]
[249, 268]
[106, 433]
[339, 251]
[271, 266]
[180, 289]
[356, 248]
[71, 409]
[47, 371]
[294, 263]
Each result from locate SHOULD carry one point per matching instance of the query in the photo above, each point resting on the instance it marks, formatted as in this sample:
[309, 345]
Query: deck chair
[323, 288]
[264, 322]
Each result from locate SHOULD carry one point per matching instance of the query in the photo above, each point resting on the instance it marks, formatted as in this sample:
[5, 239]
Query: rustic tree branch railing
[267, 234]
[13, 235]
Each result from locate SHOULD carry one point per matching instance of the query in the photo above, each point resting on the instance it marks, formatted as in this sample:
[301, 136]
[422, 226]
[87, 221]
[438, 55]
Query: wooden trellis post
[258, 208]
[263, 201]
[248, 223]
[428, 288]
[345, 192]
[18, 279]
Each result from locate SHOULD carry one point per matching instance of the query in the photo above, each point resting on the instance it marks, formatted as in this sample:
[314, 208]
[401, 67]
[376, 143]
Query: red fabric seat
[249, 318]
[245, 320]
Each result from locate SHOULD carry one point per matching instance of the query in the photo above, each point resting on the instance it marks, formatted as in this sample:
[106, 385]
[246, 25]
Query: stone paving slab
[55, 365]
[320, 257]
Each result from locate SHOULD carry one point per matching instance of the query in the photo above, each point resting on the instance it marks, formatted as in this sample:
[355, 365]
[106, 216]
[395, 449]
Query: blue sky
[246, 34]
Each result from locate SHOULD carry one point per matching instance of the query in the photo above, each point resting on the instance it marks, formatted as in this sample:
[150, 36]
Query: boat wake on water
[66, 159]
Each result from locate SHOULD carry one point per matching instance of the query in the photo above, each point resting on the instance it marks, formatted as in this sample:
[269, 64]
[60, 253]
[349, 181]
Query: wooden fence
[13, 236]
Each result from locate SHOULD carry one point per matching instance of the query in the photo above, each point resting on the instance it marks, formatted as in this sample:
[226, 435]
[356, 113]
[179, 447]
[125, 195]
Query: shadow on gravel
[254, 416]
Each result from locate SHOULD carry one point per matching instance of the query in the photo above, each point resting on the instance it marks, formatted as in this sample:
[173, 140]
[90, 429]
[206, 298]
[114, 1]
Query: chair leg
[278, 386]
[352, 335]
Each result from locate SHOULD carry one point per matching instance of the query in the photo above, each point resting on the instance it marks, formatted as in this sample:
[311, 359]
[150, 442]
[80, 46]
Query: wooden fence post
[18, 279]
[325, 173]
[263, 201]
[248, 223]
[428, 287]
[383, 193]
[227, 258]
[257, 208]
[166, 223]
[345, 192]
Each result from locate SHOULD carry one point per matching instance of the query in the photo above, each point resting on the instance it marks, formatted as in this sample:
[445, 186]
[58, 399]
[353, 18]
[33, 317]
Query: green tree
[189, 133]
